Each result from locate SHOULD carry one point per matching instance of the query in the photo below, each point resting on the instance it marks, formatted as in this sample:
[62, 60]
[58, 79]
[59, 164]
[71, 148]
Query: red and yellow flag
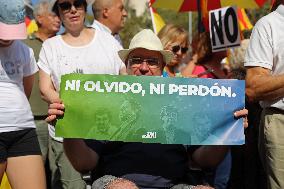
[244, 21]
[192, 5]
[157, 20]
[31, 25]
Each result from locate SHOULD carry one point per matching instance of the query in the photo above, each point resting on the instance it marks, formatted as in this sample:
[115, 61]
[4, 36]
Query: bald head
[121, 184]
[110, 13]
[99, 5]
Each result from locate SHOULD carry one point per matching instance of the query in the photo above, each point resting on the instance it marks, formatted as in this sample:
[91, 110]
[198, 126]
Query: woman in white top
[20, 155]
[79, 50]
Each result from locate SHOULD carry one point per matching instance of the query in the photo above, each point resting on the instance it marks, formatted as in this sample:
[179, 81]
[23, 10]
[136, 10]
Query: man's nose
[124, 13]
[144, 68]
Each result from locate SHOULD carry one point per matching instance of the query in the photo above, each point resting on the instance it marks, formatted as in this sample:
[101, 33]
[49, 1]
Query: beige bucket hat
[146, 39]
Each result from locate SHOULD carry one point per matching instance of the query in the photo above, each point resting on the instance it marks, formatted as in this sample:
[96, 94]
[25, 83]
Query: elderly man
[109, 16]
[147, 165]
[265, 83]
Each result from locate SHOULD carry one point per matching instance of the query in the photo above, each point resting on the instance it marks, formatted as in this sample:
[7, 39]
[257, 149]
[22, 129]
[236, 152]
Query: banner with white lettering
[152, 109]
[224, 28]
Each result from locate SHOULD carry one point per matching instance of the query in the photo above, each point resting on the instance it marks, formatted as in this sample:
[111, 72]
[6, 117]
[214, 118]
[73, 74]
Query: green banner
[151, 109]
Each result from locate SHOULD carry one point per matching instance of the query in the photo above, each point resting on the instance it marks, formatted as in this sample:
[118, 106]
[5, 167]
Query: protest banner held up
[151, 109]
[224, 28]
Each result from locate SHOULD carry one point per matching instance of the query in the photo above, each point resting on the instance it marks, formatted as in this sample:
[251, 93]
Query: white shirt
[100, 56]
[16, 62]
[99, 26]
[266, 48]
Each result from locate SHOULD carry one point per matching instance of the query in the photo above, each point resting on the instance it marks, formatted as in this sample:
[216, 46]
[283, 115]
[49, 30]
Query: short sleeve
[96, 145]
[260, 49]
[192, 148]
[30, 67]
[43, 61]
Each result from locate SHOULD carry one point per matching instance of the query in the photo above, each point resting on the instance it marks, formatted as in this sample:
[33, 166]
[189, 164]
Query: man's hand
[54, 110]
[242, 113]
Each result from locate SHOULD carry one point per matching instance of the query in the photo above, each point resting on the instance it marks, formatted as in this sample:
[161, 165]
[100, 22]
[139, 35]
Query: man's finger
[56, 106]
[50, 118]
[241, 113]
[55, 112]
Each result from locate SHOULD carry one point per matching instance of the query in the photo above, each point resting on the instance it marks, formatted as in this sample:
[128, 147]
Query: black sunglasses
[151, 62]
[66, 6]
[176, 48]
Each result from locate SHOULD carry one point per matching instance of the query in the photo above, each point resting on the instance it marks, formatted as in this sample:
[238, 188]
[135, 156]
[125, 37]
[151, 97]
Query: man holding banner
[265, 83]
[148, 165]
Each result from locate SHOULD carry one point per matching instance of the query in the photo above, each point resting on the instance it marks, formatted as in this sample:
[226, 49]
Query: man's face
[170, 118]
[145, 62]
[102, 122]
[117, 15]
[49, 21]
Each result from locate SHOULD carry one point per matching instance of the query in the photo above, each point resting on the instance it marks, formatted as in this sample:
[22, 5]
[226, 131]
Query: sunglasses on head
[66, 6]
[176, 48]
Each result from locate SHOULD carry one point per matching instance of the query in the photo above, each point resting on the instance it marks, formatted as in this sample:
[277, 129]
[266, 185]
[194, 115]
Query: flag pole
[190, 27]
[152, 17]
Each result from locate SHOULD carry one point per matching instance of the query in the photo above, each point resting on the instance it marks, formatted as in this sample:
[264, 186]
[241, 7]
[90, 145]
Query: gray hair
[41, 8]
[237, 55]
[99, 5]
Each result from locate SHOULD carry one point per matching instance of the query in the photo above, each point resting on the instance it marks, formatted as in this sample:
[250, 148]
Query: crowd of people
[30, 74]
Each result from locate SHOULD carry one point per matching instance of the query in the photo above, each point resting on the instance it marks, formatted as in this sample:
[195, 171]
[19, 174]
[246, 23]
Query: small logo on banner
[150, 135]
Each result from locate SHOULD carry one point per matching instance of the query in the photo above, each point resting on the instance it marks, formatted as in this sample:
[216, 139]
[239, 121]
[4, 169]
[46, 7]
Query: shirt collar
[99, 26]
[280, 10]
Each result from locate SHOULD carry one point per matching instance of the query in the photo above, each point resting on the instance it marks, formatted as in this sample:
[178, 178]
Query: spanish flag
[31, 25]
[244, 21]
[157, 20]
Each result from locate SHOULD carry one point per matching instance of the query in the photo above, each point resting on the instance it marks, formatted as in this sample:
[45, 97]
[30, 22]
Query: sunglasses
[176, 48]
[67, 6]
[137, 61]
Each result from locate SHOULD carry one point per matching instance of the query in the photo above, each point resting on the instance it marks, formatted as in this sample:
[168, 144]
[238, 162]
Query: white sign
[224, 28]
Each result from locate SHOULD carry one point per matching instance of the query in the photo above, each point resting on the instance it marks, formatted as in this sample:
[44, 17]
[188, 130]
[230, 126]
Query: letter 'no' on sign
[224, 28]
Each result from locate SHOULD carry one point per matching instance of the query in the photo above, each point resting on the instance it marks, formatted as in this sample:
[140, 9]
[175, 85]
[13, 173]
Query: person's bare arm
[187, 71]
[261, 85]
[28, 83]
[79, 154]
[47, 90]
[209, 156]
[82, 157]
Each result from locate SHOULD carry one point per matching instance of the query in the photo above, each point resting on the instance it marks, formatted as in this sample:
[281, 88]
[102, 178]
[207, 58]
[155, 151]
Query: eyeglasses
[176, 48]
[66, 6]
[137, 61]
